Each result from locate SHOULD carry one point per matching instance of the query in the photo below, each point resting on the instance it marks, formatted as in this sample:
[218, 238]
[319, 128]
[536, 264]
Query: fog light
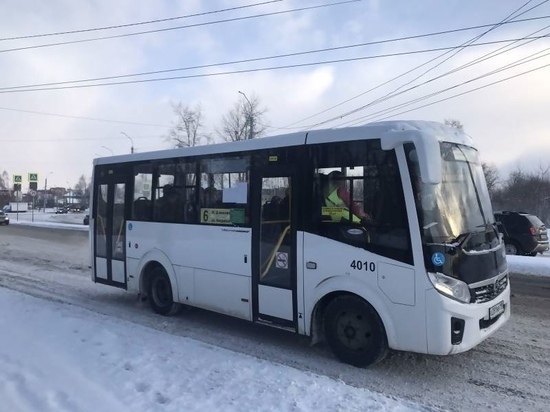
[457, 330]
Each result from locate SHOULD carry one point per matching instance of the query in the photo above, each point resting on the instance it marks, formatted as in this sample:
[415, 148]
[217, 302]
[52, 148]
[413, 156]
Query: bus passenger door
[110, 231]
[274, 249]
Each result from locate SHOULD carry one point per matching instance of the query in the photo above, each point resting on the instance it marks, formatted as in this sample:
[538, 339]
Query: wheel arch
[151, 260]
[334, 287]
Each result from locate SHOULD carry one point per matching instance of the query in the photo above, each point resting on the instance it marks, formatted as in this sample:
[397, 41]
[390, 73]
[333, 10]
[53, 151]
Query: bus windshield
[457, 206]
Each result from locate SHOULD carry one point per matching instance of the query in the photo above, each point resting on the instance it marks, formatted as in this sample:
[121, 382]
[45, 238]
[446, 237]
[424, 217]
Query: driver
[337, 197]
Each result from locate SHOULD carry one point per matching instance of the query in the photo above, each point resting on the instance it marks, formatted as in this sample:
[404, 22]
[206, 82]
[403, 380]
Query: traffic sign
[281, 261]
[33, 177]
[32, 193]
[17, 179]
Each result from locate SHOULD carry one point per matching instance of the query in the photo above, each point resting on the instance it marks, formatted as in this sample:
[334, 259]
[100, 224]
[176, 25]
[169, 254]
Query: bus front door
[110, 232]
[274, 250]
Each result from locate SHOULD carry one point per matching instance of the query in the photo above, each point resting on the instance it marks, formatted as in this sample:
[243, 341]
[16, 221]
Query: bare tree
[4, 180]
[244, 121]
[186, 131]
[526, 192]
[455, 123]
[82, 189]
[491, 176]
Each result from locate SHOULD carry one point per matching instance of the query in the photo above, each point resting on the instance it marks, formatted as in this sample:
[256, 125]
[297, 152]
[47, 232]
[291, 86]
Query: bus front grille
[489, 292]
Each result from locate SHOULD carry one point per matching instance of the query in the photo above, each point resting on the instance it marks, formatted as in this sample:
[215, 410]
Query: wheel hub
[350, 332]
[354, 330]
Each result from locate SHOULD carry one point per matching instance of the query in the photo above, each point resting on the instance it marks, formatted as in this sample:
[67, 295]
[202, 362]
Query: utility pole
[45, 188]
[250, 118]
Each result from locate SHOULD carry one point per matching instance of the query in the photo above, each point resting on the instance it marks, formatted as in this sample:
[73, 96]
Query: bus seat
[142, 209]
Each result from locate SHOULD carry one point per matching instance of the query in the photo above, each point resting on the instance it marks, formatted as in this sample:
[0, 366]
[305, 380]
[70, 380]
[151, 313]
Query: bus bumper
[454, 327]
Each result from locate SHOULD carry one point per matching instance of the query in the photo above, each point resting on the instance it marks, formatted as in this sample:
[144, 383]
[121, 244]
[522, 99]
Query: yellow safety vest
[337, 209]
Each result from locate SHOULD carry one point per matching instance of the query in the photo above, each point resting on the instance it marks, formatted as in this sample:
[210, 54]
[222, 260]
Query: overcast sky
[508, 121]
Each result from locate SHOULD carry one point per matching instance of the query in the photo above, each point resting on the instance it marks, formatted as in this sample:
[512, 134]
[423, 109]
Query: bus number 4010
[360, 265]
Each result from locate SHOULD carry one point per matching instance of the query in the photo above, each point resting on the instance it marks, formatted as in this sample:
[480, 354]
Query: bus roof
[424, 129]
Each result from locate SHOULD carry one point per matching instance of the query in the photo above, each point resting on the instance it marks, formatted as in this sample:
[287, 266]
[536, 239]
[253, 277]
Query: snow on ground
[56, 357]
[527, 265]
[49, 219]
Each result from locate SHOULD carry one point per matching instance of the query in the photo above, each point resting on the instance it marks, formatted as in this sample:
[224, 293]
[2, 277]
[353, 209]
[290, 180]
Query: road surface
[508, 372]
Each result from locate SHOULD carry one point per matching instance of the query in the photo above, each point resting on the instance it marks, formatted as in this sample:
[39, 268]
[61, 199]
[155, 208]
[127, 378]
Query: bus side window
[224, 191]
[143, 181]
[165, 200]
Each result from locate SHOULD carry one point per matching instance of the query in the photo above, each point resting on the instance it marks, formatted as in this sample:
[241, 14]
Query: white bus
[375, 237]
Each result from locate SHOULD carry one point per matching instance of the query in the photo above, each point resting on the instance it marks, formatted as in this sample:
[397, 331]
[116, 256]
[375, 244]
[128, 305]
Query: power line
[464, 66]
[390, 96]
[119, 26]
[280, 56]
[260, 69]
[117, 36]
[86, 139]
[460, 49]
[470, 91]
[512, 65]
[82, 118]
[506, 20]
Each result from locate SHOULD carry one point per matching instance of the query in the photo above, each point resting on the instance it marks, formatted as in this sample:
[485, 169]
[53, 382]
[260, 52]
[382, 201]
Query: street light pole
[250, 118]
[46, 188]
[132, 147]
[106, 148]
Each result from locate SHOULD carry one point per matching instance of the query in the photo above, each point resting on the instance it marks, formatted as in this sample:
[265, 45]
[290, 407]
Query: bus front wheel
[355, 332]
[159, 293]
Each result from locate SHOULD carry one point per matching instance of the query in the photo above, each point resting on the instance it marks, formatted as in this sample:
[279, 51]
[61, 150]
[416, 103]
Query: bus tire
[355, 332]
[159, 293]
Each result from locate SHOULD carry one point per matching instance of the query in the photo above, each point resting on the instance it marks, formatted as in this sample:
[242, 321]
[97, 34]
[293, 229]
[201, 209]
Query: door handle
[311, 265]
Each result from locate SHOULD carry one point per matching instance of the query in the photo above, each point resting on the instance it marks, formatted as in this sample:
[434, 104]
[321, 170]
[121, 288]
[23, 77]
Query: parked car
[62, 210]
[524, 233]
[4, 219]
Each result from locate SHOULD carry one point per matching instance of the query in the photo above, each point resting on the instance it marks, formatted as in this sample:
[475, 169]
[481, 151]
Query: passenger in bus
[285, 205]
[212, 197]
[338, 199]
[271, 210]
[167, 206]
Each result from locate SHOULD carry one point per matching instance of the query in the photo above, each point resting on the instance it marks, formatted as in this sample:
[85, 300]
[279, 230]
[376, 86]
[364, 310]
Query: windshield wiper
[460, 239]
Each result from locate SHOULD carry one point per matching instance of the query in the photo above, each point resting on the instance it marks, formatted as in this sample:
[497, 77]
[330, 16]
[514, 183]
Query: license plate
[496, 310]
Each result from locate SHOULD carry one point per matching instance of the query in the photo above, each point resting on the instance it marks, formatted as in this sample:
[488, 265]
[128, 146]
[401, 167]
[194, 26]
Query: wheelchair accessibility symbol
[438, 259]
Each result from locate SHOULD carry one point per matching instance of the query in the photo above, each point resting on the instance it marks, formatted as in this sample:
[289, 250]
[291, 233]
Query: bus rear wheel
[159, 293]
[355, 332]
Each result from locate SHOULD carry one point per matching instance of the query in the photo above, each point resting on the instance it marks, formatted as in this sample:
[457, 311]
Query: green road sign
[33, 177]
[17, 179]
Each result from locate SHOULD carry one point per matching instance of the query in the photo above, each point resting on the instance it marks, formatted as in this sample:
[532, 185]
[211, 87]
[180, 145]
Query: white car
[4, 219]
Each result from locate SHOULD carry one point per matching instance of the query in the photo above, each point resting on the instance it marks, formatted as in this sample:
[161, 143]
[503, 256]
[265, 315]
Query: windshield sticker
[438, 259]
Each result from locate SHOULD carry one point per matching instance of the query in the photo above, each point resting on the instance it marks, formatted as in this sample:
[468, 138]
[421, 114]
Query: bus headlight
[451, 287]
